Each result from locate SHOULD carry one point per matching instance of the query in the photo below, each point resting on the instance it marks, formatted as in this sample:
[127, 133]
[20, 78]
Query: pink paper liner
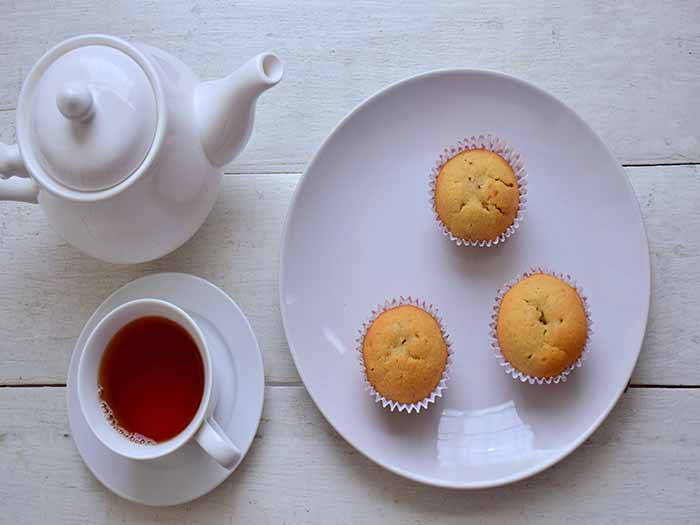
[510, 369]
[496, 145]
[442, 385]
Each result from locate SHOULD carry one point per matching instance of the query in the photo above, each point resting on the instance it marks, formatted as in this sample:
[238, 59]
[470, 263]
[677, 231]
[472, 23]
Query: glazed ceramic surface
[123, 146]
[202, 428]
[360, 230]
[239, 381]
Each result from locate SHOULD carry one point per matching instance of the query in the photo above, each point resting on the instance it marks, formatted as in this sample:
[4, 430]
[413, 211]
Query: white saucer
[189, 473]
[361, 230]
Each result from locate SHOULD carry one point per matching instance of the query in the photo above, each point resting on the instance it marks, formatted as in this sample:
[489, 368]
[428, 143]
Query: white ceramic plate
[360, 230]
[188, 473]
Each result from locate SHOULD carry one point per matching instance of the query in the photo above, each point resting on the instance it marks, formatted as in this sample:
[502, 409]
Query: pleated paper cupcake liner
[510, 155]
[424, 403]
[495, 347]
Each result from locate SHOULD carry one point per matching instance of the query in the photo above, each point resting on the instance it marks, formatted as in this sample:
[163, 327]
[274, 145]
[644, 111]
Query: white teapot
[122, 145]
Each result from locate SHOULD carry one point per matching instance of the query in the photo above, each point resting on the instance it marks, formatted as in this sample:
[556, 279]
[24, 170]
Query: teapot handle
[23, 189]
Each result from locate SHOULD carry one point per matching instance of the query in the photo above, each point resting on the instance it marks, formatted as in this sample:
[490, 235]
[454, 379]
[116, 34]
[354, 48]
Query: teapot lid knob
[89, 114]
[74, 101]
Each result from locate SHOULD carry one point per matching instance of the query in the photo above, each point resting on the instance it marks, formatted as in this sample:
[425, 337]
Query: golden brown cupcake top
[541, 326]
[405, 354]
[476, 195]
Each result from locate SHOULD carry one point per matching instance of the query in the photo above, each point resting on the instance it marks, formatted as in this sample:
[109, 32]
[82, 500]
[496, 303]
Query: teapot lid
[92, 116]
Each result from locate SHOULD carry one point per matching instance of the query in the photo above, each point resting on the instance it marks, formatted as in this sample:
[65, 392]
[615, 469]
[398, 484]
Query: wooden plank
[668, 199]
[48, 289]
[300, 471]
[632, 88]
[7, 126]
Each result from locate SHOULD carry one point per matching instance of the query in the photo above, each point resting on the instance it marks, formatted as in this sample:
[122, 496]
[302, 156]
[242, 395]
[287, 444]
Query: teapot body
[166, 205]
[123, 147]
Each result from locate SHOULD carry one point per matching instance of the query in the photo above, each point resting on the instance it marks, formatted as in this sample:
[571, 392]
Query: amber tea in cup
[151, 379]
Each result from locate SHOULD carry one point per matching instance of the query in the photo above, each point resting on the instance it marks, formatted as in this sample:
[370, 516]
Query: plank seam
[278, 384]
[37, 385]
[676, 387]
[63, 385]
[295, 173]
[660, 164]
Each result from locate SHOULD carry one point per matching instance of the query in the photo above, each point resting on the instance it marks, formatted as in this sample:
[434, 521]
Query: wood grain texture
[48, 289]
[640, 467]
[631, 69]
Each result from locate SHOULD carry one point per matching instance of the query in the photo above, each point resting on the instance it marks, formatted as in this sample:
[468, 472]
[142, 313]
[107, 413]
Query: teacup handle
[217, 444]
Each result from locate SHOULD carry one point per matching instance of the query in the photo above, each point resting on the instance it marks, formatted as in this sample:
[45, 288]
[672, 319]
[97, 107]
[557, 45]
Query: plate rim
[523, 474]
[244, 452]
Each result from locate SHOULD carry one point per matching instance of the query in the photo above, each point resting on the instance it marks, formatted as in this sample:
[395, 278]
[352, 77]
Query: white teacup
[203, 428]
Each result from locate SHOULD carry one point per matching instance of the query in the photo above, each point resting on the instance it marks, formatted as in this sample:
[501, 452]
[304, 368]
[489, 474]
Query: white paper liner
[500, 147]
[514, 372]
[442, 385]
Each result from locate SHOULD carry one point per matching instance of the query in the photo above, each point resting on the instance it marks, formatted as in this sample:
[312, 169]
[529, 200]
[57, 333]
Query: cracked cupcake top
[476, 195]
[405, 354]
[541, 326]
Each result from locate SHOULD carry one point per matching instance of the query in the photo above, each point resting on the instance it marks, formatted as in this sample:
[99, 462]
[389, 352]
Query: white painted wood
[630, 68]
[640, 467]
[48, 289]
[7, 126]
[669, 201]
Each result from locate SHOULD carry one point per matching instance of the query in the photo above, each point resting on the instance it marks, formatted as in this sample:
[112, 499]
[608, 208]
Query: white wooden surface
[640, 466]
[631, 70]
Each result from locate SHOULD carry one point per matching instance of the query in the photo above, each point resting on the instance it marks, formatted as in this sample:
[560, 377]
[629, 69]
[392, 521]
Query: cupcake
[541, 328]
[478, 192]
[405, 355]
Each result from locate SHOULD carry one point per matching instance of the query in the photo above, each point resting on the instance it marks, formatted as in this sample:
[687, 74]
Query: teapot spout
[225, 108]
